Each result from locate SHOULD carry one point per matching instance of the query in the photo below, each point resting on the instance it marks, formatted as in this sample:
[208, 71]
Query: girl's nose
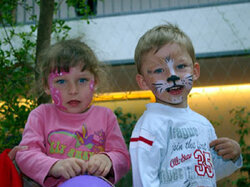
[73, 88]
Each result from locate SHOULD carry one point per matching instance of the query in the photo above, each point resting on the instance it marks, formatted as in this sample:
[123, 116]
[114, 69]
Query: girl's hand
[12, 153]
[99, 165]
[68, 168]
[227, 148]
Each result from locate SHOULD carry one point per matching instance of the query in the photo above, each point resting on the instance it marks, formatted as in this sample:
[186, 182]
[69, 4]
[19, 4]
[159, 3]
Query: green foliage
[17, 75]
[17, 71]
[241, 120]
[127, 122]
[7, 9]
[60, 30]
[84, 8]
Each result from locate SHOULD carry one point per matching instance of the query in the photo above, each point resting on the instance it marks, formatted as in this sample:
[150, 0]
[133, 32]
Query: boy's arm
[223, 166]
[227, 148]
[145, 158]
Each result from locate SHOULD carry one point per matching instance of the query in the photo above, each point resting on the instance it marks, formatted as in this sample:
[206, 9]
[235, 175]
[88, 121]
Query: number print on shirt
[204, 163]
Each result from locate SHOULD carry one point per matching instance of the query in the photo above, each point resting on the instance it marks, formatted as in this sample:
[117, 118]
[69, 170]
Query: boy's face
[169, 73]
[72, 91]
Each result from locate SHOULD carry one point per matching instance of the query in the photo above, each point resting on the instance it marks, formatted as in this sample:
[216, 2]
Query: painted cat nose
[173, 78]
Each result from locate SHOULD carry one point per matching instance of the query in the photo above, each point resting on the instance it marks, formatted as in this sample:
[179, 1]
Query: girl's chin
[77, 110]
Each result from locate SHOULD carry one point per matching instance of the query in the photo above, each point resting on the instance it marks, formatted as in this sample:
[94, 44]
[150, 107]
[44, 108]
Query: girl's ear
[45, 87]
[93, 85]
[196, 74]
[47, 90]
[141, 82]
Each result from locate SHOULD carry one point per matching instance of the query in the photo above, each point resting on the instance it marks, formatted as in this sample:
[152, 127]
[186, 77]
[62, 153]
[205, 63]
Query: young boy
[171, 145]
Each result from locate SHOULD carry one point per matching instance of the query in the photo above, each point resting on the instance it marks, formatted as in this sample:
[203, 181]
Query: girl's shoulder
[102, 111]
[101, 108]
[44, 108]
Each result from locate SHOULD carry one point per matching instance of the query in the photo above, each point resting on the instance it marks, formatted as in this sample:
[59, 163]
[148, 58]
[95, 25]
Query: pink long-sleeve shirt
[52, 134]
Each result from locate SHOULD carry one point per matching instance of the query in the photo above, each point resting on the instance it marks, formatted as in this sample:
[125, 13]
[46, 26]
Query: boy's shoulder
[199, 116]
[152, 118]
[160, 114]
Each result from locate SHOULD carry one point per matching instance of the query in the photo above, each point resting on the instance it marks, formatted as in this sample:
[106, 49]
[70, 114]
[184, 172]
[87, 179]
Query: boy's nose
[173, 78]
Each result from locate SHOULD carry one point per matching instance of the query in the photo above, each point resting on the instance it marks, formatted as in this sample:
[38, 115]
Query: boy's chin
[175, 103]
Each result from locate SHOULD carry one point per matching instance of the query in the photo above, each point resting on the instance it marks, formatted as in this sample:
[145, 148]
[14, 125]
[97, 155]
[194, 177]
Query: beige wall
[212, 102]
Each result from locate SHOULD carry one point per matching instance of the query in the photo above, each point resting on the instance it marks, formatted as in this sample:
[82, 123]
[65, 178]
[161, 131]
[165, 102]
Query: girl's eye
[82, 80]
[160, 70]
[61, 81]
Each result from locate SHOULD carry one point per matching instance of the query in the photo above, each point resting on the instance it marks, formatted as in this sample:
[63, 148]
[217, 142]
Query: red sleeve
[8, 173]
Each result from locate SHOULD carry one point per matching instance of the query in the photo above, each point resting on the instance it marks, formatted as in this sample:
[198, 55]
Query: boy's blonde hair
[157, 37]
[66, 54]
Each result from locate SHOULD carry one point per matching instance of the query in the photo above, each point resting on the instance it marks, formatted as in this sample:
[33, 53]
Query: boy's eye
[61, 81]
[181, 66]
[160, 70]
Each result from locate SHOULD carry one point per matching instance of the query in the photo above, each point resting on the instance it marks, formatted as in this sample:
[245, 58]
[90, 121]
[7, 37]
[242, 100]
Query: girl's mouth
[175, 90]
[73, 103]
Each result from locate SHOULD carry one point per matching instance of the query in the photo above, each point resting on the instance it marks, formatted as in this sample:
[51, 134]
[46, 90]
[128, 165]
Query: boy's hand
[99, 165]
[68, 168]
[12, 153]
[227, 148]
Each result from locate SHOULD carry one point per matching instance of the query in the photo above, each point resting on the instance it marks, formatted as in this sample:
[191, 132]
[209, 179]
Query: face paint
[174, 89]
[170, 64]
[92, 85]
[55, 93]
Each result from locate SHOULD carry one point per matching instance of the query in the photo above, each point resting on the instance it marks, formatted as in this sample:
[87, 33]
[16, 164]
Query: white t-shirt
[170, 147]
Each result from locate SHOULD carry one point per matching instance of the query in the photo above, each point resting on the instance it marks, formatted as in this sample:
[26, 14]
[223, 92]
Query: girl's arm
[116, 149]
[34, 161]
[12, 153]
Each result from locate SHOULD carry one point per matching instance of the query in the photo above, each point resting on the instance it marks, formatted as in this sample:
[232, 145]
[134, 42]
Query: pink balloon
[86, 180]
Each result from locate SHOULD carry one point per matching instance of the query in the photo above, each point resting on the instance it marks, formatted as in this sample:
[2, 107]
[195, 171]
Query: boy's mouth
[175, 90]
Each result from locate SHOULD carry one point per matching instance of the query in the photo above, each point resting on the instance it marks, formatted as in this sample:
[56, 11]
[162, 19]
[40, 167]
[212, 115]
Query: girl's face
[169, 73]
[72, 91]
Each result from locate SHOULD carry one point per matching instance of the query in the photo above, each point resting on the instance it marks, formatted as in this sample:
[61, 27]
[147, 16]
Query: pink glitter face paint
[92, 85]
[55, 93]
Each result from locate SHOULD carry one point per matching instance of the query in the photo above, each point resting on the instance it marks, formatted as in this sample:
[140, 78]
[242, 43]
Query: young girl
[71, 137]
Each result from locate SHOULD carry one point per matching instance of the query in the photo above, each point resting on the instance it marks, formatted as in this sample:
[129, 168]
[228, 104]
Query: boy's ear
[196, 74]
[141, 82]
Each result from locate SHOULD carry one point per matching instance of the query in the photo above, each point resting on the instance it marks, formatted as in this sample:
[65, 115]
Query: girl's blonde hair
[66, 54]
[157, 37]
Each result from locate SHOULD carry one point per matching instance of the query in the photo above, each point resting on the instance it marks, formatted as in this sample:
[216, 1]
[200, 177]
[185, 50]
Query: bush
[241, 120]
[17, 76]
[127, 122]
